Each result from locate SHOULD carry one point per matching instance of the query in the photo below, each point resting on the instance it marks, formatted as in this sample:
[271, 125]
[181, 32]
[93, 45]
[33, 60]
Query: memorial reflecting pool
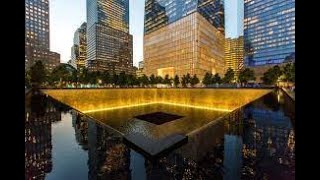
[254, 142]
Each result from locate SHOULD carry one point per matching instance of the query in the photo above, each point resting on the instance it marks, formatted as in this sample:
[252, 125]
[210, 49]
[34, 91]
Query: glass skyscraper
[234, 35]
[269, 31]
[37, 37]
[234, 54]
[159, 13]
[183, 37]
[109, 44]
[79, 48]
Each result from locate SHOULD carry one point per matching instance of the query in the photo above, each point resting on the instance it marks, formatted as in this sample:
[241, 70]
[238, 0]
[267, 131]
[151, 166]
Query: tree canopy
[246, 75]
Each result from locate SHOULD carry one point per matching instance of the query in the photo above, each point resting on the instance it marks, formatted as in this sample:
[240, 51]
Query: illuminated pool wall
[86, 100]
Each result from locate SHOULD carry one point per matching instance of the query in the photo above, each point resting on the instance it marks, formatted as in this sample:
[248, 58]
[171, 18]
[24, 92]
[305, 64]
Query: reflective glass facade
[159, 13]
[37, 37]
[234, 54]
[109, 44]
[269, 31]
[79, 49]
[189, 45]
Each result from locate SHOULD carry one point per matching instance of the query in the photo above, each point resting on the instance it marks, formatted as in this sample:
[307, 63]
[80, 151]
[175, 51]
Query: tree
[188, 78]
[194, 80]
[37, 74]
[106, 77]
[216, 79]
[207, 79]
[93, 77]
[83, 76]
[136, 81]
[167, 80]
[159, 80]
[144, 80]
[229, 76]
[176, 81]
[153, 80]
[115, 79]
[246, 75]
[271, 76]
[289, 72]
[63, 73]
[131, 80]
[184, 81]
[122, 79]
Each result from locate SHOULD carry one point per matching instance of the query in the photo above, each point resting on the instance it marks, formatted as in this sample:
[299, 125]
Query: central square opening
[158, 118]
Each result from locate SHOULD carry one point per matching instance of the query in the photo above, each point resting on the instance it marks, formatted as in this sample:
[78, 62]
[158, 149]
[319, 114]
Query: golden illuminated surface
[117, 107]
[91, 100]
[123, 119]
[188, 45]
[234, 54]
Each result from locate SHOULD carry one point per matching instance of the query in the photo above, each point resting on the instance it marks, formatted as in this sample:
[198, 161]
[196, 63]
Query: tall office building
[183, 37]
[234, 54]
[139, 71]
[269, 31]
[109, 44]
[234, 35]
[37, 37]
[79, 48]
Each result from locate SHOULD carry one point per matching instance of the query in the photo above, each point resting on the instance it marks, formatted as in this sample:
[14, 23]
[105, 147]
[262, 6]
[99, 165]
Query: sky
[233, 18]
[66, 16]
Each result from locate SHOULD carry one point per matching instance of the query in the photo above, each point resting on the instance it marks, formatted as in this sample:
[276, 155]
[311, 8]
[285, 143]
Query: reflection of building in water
[270, 138]
[108, 157]
[80, 125]
[38, 145]
[234, 122]
[232, 161]
[232, 156]
[137, 165]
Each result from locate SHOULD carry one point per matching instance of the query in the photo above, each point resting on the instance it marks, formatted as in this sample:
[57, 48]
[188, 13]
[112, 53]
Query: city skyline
[63, 24]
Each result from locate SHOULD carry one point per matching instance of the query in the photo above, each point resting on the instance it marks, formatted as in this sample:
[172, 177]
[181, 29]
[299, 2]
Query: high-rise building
[234, 35]
[269, 31]
[234, 54]
[37, 38]
[109, 44]
[79, 48]
[141, 65]
[139, 71]
[183, 37]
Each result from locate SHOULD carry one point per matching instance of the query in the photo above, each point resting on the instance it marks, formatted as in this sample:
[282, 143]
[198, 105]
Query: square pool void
[156, 121]
[158, 118]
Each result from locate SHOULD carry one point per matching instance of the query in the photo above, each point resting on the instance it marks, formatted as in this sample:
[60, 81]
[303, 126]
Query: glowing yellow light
[95, 100]
[118, 107]
[165, 103]
[197, 107]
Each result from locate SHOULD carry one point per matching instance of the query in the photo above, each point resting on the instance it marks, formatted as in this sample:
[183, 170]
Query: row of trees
[65, 74]
[244, 77]
[277, 73]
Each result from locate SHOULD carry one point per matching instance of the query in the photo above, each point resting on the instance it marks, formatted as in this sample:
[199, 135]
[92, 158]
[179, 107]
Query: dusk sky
[67, 15]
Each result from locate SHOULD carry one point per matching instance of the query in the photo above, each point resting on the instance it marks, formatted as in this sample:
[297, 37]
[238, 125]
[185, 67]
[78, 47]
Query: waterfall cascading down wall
[88, 100]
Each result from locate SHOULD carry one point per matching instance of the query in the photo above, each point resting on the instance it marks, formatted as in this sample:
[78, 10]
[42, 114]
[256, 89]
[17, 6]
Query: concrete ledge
[152, 148]
[290, 94]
